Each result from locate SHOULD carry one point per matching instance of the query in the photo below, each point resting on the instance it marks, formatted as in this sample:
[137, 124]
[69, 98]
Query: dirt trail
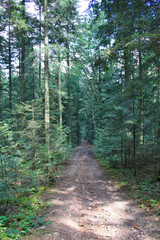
[88, 206]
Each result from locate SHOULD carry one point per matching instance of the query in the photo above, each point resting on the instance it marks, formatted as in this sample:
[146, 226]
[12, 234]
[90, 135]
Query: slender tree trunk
[69, 89]
[40, 49]
[126, 72]
[129, 154]
[126, 66]
[19, 72]
[158, 105]
[134, 135]
[141, 93]
[158, 131]
[22, 64]
[93, 113]
[46, 78]
[23, 56]
[121, 151]
[60, 89]
[99, 77]
[22, 69]
[33, 133]
[0, 96]
[77, 121]
[10, 67]
[99, 91]
[33, 76]
[125, 158]
[2, 169]
[134, 149]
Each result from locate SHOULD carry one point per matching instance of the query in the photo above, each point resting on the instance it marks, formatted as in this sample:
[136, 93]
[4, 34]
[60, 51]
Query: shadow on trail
[88, 206]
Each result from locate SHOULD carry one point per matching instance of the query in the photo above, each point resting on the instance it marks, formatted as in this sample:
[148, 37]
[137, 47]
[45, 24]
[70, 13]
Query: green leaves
[24, 215]
[19, 22]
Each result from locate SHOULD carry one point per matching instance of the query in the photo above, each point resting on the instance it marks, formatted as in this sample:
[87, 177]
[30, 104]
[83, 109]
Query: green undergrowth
[20, 215]
[146, 190]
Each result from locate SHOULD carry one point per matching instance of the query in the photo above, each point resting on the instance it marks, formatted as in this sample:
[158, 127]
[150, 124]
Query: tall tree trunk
[99, 91]
[0, 96]
[126, 72]
[33, 76]
[99, 73]
[134, 134]
[126, 66]
[69, 89]
[46, 78]
[10, 67]
[19, 72]
[33, 135]
[40, 49]
[141, 93]
[121, 151]
[77, 122]
[60, 88]
[23, 56]
[157, 135]
[134, 149]
[92, 111]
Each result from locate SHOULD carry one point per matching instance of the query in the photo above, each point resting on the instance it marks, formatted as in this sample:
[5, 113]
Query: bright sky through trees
[83, 6]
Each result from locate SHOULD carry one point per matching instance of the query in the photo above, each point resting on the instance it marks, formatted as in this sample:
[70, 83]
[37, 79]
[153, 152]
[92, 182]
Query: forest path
[87, 206]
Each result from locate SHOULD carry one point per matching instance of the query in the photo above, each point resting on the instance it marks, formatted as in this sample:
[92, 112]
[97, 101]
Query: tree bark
[77, 124]
[0, 96]
[46, 78]
[134, 135]
[23, 56]
[10, 67]
[33, 76]
[19, 74]
[126, 66]
[60, 89]
[126, 72]
[134, 149]
[40, 49]
[141, 94]
[33, 134]
[93, 112]
[69, 89]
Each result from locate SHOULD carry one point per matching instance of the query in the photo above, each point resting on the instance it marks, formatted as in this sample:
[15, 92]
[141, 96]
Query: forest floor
[88, 206]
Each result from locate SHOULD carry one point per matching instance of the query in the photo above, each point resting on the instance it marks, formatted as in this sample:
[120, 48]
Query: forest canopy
[66, 77]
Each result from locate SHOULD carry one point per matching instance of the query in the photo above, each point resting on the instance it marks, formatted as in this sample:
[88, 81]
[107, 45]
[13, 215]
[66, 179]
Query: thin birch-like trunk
[46, 78]
[60, 89]
[40, 49]
[10, 67]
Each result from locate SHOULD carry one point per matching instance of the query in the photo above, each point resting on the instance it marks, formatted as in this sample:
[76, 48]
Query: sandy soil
[87, 206]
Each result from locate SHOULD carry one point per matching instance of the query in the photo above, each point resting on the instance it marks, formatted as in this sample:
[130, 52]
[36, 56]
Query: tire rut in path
[88, 206]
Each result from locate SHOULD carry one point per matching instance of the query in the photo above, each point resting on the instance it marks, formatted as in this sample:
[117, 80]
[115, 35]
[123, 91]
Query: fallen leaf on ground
[136, 227]
[80, 224]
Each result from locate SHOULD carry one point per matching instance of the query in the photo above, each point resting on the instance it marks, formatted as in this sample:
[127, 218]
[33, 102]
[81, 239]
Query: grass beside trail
[143, 188]
[24, 214]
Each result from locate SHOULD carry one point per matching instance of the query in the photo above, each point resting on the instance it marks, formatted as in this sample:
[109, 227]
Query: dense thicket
[127, 110]
[33, 72]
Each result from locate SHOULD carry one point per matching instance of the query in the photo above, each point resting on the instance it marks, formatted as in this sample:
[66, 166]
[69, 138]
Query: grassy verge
[22, 207]
[144, 189]
[23, 214]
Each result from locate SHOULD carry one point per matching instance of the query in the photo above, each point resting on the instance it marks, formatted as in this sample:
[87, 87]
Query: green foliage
[109, 89]
[26, 165]
[150, 191]
[23, 216]
[145, 190]
[126, 95]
